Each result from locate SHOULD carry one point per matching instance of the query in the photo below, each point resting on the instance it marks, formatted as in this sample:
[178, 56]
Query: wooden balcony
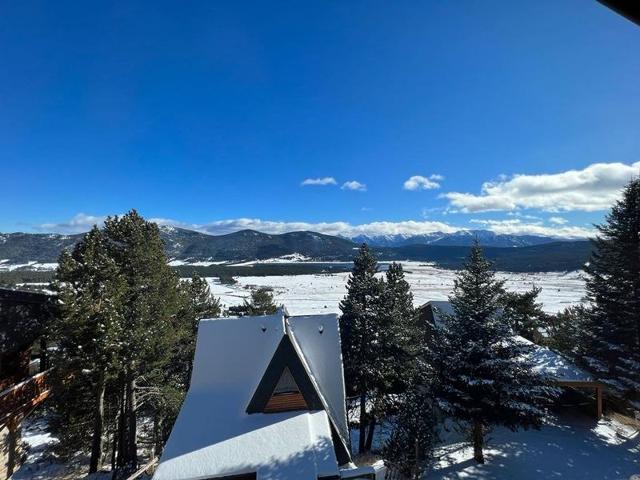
[19, 399]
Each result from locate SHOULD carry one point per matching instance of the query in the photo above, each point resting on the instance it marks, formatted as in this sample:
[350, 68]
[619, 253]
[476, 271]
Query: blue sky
[213, 114]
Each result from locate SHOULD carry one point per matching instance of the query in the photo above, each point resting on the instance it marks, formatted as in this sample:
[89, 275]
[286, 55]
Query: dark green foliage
[359, 333]
[565, 330]
[126, 338]
[199, 303]
[484, 379]
[525, 313]
[260, 303]
[359, 311]
[397, 340]
[409, 447]
[88, 334]
[611, 337]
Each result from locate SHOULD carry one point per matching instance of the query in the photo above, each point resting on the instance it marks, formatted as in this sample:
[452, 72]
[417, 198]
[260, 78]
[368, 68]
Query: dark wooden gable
[285, 384]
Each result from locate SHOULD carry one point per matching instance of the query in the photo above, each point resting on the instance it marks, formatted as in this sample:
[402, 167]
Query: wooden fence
[17, 400]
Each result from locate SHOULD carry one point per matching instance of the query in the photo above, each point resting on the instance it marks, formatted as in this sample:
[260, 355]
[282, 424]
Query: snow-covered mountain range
[31, 251]
[460, 238]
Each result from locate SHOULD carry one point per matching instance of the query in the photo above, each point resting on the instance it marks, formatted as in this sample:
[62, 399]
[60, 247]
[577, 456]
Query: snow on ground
[569, 446]
[203, 263]
[292, 258]
[42, 464]
[322, 293]
[5, 266]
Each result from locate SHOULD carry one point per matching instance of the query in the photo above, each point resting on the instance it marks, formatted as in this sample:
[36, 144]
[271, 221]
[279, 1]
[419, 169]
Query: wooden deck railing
[18, 399]
[152, 463]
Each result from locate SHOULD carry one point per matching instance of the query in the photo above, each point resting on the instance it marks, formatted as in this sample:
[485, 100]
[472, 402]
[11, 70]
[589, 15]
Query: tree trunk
[157, 435]
[98, 425]
[120, 444]
[363, 424]
[114, 446]
[131, 446]
[478, 440]
[417, 455]
[372, 427]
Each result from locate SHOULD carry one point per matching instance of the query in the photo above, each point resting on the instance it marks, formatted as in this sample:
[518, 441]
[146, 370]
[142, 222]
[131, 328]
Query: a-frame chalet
[266, 401]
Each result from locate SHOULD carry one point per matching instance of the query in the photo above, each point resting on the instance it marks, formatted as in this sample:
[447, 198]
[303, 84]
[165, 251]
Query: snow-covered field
[6, 266]
[512, 455]
[568, 446]
[322, 293]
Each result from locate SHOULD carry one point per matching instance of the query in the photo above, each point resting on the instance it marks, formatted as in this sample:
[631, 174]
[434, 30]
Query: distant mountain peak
[487, 238]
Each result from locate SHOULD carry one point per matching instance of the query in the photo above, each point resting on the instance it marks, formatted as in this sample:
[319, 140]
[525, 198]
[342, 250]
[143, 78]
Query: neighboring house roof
[545, 360]
[214, 435]
[435, 311]
[553, 364]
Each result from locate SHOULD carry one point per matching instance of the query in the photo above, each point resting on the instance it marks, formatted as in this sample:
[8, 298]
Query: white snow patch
[32, 265]
[566, 447]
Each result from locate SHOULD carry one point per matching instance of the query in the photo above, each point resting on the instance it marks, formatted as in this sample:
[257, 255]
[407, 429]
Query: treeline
[470, 368]
[125, 340]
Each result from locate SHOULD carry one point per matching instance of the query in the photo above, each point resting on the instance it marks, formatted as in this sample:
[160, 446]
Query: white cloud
[558, 220]
[418, 182]
[331, 228]
[319, 181]
[354, 185]
[522, 215]
[518, 227]
[437, 177]
[78, 224]
[591, 189]
[82, 223]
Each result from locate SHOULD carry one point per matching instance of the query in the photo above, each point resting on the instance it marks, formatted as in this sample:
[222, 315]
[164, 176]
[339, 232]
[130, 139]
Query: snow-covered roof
[545, 360]
[322, 356]
[553, 364]
[440, 308]
[214, 435]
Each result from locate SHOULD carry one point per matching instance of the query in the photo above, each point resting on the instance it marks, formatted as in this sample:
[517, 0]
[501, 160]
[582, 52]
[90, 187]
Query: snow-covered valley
[322, 293]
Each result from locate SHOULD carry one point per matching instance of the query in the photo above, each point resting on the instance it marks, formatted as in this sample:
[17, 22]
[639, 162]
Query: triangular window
[285, 384]
[286, 396]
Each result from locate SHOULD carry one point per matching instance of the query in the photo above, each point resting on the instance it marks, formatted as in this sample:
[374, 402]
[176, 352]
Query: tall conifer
[486, 379]
[611, 338]
[359, 335]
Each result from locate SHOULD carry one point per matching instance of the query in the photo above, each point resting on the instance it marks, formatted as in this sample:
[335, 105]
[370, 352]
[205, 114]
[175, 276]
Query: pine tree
[612, 331]
[525, 313]
[197, 303]
[565, 330]
[150, 306]
[395, 346]
[125, 321]
[485, 377]
[87, 332]
[261, 302]
[358, 332]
